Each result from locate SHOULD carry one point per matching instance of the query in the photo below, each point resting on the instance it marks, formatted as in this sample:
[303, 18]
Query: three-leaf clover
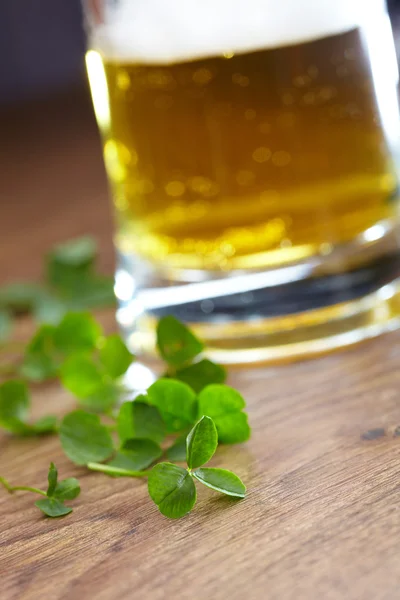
[57, 492]
[172, 488]
[52, 504]
[90, 365]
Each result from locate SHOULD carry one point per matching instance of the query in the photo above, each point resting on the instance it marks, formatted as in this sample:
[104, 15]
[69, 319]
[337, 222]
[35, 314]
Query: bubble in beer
[123, 81]
[204, 186]
[121, 202]
[161, 80]
[301, 81]
[326, 93]
[175, 188]
[262, 154]
[202, 76]
[245, 177]
[116, 158]
[286, 243]
[227, 249]
[281, 158]
[176, 213]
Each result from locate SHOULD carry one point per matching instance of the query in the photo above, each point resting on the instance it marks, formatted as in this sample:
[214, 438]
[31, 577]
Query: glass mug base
[273, 316]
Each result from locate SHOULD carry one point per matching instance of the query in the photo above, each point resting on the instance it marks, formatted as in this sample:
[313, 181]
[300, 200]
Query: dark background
[41, 47]
[42, 44]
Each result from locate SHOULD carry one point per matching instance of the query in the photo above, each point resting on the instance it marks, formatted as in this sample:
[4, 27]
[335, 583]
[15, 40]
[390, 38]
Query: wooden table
[322, 518]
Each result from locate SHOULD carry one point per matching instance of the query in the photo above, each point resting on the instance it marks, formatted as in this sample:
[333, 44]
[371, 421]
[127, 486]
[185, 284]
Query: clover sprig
[181, 417]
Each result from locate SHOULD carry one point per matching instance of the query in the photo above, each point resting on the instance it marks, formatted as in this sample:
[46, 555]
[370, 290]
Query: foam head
[165, 31]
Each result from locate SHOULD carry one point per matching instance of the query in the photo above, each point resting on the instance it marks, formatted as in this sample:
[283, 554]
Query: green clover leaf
[176, 402]
[84, 439]
[221, 480]
[176, 343]
[138, 419]
[225, 406]
[201, 443]
[172, 489]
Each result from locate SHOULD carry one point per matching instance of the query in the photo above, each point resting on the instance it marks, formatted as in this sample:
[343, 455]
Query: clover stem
[23, 488]
[109, 470]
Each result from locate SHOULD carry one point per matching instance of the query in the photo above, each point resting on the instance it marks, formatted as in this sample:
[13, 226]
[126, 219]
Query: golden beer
[250, 160]
[242, 161]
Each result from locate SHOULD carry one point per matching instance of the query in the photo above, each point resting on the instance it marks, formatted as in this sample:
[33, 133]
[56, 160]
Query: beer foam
[165, 31]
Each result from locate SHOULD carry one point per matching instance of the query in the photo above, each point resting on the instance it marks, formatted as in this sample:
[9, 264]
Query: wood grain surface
[322, 517]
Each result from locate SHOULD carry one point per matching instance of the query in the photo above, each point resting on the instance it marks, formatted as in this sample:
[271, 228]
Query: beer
[247, 136]
[247, 160]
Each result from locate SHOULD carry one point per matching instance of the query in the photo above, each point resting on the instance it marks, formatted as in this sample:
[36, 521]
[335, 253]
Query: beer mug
[252, 153]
